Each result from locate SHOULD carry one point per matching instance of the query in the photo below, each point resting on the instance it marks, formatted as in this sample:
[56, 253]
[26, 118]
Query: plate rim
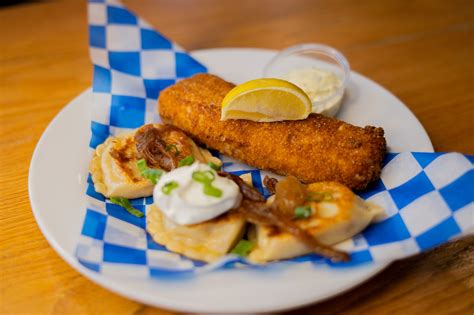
[116, 286]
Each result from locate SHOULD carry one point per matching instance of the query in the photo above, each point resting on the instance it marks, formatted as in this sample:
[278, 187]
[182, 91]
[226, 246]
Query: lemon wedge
[266, 100]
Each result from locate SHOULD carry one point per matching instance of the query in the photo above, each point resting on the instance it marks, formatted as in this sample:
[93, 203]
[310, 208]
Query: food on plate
[256, 211]
[329, 211]
[210, 239]
[265, 100]
[322, 87]
[115, 167]
[115, 176]
[206, 241]
[202, 212]
[316, 149]
[167, 147]
[205, 213]
[299, 219]
[195, 193]
[192, 212]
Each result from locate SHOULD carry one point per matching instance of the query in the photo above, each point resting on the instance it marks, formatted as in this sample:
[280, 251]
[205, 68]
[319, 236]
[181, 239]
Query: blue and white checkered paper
[428, 197]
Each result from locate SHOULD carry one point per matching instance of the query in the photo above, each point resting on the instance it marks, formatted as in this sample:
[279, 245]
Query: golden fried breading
[316, 149]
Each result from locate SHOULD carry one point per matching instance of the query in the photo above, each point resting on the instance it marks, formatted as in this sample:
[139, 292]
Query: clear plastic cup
[304, 56]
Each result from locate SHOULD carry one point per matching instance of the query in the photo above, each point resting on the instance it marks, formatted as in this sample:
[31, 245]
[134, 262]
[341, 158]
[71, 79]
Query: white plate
[58, 177]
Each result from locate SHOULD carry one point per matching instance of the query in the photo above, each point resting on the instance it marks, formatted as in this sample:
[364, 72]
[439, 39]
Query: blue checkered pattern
[428, 197]
[132, 64]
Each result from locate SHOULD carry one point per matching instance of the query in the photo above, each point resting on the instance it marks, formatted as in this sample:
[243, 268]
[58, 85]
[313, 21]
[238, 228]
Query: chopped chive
[172, 147]
[206, 178]
[212, 191]
[142, 166]
[214, 166]
[125, 203]
[186, 161]
[152, 174]
[203, 177]
[302, 212]
[169, 187]
[242, 248]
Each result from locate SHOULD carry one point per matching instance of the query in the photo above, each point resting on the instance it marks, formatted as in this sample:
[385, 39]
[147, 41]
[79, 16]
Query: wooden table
[421, 51]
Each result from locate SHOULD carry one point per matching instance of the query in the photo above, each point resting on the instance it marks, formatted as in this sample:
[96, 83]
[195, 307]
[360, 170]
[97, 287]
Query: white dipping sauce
[319, 84]
[188, 204]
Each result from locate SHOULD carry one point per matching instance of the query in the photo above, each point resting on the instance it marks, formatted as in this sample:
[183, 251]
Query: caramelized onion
[154, 142]
[270, 183]
[290, 193]
[247, 191]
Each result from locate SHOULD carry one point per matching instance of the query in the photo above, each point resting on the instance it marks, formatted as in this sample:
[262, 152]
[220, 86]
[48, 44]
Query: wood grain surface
[422, 51]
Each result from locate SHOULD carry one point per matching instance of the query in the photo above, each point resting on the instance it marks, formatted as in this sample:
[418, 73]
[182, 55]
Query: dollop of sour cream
[187, 203]
[319, 84]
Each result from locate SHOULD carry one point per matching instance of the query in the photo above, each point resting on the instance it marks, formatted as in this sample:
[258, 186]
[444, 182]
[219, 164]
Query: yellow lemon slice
[265, 100]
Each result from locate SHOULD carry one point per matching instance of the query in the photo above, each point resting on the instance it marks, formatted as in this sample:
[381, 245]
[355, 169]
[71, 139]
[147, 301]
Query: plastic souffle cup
[317, 58]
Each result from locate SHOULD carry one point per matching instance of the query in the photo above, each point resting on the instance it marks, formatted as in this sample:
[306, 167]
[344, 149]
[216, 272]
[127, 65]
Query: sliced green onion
[125, 203]
[152, 174]
[203, 177]
[142, 166]
[212, 191]
[242, 248]
[186, 161]
[206, 178]
[318, 196]
[302, 212]
[214, 166]
[169, 187]
[172, 147]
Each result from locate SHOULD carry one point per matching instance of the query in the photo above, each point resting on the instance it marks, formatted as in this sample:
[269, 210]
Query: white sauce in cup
[320, 85]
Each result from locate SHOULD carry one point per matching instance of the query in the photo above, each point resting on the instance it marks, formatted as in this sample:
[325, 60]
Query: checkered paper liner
[428, 197]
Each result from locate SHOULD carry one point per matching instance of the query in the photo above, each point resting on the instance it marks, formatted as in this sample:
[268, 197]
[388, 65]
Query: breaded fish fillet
[316, 149]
